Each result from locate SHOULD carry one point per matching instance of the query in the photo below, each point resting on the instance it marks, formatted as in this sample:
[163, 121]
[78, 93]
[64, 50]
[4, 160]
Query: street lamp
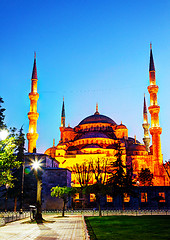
[36, 165]
[3, 134]
[138, 184]
[22, 186]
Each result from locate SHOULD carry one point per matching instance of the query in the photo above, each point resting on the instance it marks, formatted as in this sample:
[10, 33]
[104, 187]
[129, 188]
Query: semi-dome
[91, 146]
[97, 118]
[136, 147]
[93, 135]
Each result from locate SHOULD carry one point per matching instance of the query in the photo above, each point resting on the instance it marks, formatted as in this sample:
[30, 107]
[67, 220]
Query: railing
[6, 217]
[95, 212]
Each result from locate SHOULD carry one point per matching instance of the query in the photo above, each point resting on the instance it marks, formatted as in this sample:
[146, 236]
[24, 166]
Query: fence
[12, 216]
[95, 212]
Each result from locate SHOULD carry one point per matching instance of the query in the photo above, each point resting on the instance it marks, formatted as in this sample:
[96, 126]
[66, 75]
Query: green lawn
[129, 227]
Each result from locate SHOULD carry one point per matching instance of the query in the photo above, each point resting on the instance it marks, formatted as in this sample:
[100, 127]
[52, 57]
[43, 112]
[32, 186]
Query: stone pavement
[67, 228]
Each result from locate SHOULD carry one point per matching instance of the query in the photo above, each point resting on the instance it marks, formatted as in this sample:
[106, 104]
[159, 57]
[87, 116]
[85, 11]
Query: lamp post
[138, 184]
[37, 172]
[22, 186]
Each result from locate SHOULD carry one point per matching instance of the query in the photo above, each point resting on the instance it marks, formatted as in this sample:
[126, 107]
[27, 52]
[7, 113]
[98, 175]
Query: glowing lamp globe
[3, 134]
[36, 165]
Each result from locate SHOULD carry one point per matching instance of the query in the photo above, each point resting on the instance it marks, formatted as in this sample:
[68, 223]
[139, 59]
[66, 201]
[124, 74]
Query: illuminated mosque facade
[96, 137]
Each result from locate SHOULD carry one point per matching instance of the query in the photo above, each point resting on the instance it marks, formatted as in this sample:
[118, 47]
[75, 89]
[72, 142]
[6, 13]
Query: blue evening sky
[87, 51]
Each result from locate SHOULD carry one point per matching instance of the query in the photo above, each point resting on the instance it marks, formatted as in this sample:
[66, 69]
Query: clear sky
[87, 51]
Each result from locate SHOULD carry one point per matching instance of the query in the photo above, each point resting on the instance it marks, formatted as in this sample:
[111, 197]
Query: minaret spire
[63, 115]
[154, 109]
[34, 71]
[151, 64]
[97, 107]
[32, 135]
[145, 126]
[62, 121]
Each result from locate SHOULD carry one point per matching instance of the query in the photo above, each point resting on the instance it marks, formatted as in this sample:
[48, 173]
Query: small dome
[93, 135]
[121, 126]
[97, 118]
[61, 145]
[68, 129]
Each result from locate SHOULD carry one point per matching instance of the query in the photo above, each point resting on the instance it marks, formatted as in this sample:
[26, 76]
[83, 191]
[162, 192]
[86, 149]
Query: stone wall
[54, 177]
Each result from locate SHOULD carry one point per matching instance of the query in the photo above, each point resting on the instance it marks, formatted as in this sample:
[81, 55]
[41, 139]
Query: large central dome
[97, 118]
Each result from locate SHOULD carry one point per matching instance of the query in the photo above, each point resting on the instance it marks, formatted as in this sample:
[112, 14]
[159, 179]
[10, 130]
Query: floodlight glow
[3, 134]
[36, 165]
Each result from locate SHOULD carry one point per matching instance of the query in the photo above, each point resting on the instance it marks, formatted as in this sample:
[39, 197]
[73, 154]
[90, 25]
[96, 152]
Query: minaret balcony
[32, 136]
[154, 109]
[153, 89]
[33, 96]
[33, 115]
[146, 126]
[155, 130]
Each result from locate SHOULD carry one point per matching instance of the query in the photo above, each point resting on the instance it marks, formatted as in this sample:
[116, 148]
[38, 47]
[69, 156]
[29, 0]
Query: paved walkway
[68, 228]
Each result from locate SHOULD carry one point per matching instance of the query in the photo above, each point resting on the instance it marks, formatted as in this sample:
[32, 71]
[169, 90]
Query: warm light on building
[144, 197]
[109, 198]
[97, 135]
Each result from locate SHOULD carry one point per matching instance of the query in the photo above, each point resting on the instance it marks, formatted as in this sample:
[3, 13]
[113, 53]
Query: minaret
[62, 121]
[32, 135]
[145, 126]
[154, 109]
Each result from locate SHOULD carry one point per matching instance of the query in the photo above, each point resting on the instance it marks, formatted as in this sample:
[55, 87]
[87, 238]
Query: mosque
[96, 136]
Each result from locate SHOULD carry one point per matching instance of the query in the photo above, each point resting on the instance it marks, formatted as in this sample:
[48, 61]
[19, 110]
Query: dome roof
[93, 135]
[97, 118]
[136, 147]
[121, 126]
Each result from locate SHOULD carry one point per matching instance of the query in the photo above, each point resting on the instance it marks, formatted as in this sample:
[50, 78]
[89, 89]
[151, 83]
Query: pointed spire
[63, 109]
[97, 113]
[53, 142]
[135, 138]
[97, 107]
[144, 106]
[34, 71]
[151, 65]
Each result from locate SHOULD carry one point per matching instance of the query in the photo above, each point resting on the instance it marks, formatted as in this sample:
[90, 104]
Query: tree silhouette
[120, 180]
[100, 169]
[145, 177]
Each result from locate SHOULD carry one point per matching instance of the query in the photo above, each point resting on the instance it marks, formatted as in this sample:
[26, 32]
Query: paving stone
[68, 228]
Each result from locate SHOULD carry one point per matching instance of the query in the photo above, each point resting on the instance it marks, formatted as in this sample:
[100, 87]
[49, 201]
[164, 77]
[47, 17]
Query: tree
[18, 174]
[83, 175]
[7, 161]
[63, 193]
[7, 158]
[120, 180]
[145, 177]
[166, 166]
[100, 169]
